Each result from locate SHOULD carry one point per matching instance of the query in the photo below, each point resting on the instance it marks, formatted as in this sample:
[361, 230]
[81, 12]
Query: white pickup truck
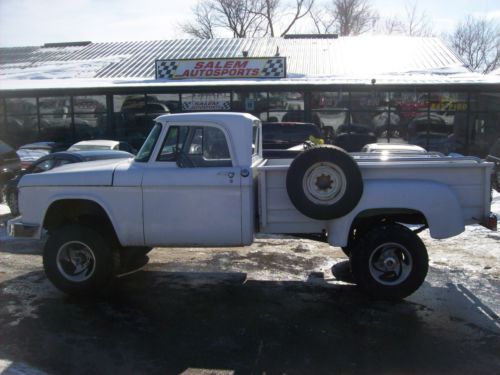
[200, 180]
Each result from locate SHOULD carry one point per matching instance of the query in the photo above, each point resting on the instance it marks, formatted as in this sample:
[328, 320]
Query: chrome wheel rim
[76, 261]
[390, 264]
[324, 183]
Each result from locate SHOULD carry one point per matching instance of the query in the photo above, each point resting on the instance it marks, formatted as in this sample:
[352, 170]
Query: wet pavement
[274, 307]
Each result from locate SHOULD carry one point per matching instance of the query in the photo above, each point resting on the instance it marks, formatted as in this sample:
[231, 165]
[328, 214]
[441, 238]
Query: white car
[101, 144]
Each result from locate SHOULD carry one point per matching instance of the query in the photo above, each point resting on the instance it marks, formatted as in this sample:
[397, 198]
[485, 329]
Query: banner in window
[206, 102]
[269, 67]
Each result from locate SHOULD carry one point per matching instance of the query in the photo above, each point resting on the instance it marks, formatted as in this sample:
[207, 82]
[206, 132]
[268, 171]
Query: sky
[35, 22]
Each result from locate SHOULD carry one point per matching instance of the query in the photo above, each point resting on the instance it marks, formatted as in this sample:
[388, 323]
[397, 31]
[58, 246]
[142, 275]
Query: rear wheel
[79, 260]
[389, 262]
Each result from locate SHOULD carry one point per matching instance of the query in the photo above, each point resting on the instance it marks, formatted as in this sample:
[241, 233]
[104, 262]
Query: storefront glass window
[89, 104]
[55, 119]
[90, 116]
[132, 124]
[438, 121]
[56, 128]
[22, 121]
[484, 124]
[285, 107]
[330, 109]
[250, 102]
[57, 106]
[163, 103]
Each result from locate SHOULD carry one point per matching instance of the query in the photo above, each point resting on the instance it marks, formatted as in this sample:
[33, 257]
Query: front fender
[123, 206]
[437, 202]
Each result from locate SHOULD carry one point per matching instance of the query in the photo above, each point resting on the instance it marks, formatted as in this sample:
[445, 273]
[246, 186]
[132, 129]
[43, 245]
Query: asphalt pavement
[274, 307]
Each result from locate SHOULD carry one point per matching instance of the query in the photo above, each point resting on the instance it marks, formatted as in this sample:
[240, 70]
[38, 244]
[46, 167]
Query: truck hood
[91, 173]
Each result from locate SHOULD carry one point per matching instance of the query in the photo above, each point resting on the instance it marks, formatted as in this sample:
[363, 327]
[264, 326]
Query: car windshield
[149, 144]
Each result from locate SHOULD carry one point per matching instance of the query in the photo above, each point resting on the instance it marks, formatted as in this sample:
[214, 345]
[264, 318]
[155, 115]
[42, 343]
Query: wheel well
[394, 215]
[79, 211]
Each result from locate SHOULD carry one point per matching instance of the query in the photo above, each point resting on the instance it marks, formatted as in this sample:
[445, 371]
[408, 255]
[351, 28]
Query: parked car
[494, 157]
[284, 135]
[31, 152]
[432, 133]
[9, 163]
[101, 144]
[53, 160]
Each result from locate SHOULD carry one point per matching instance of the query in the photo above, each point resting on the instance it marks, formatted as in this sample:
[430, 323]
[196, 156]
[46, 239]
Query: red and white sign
[269, 67]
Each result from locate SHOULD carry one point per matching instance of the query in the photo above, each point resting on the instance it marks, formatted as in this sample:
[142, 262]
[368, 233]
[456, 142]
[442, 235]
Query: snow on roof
[346, 60]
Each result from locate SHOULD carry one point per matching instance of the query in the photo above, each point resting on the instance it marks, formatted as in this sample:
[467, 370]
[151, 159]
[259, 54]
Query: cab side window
[196, 147]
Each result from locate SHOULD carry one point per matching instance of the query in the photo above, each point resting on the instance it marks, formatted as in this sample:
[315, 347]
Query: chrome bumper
[16, 228]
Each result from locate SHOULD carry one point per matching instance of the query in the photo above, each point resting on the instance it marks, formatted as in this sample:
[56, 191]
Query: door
[192, 191]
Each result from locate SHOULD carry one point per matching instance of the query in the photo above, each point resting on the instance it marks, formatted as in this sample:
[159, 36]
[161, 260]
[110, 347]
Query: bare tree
[324, 20]
[392, 25]
[240, 17]
[204, 24]
[245, 18]
[477, 42]
[345, 17]
[413, 23]
[354, 16]
[417, 24]
[288, 15]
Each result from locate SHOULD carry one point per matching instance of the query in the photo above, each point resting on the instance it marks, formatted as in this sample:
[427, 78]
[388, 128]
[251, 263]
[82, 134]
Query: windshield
[149, 144]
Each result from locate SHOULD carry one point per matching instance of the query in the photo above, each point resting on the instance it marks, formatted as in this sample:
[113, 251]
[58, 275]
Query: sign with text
[206, 102]
[268, 67]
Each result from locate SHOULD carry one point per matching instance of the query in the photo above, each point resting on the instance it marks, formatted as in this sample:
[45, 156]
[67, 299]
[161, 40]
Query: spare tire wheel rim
[76, 261]
[390, 264]
[324, 183]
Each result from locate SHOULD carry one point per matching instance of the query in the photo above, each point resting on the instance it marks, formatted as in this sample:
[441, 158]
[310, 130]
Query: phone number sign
[269, 67]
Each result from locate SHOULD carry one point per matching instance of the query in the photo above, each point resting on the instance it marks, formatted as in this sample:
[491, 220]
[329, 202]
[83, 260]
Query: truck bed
[466, 177]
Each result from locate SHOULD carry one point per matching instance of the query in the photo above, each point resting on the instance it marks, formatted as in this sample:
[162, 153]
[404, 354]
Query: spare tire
[324, 183]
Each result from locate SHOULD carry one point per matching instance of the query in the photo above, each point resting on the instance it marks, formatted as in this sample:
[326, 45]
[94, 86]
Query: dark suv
[494, 157]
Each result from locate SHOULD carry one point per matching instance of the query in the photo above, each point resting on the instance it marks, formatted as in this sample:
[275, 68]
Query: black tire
[13, 202]
[324, 183]
[133, 258]
[72, 244]
[356, 233]
[389, 262]
[140, 250]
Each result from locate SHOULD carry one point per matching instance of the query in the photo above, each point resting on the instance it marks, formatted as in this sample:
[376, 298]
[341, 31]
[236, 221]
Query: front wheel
[78, 260]
[13, 202]
[389, 262]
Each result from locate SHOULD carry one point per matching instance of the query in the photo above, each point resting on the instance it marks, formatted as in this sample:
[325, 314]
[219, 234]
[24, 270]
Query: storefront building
[387, 89]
